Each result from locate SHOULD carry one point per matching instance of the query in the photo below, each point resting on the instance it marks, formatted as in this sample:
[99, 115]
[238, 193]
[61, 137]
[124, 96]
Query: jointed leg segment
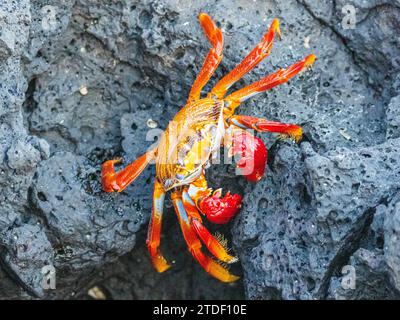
[261, 51]
[154, 231]
[262, 125]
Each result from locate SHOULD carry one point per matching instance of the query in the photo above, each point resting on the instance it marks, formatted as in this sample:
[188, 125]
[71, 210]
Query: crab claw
[253, 155]
[220, 210]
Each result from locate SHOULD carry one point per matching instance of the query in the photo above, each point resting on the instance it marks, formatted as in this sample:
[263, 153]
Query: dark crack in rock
[370, 275]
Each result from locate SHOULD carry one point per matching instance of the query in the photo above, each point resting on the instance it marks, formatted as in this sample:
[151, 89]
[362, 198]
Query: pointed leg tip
[220, 272]
[161, 265]
[275, 26]
[163, 268]
[310, 60]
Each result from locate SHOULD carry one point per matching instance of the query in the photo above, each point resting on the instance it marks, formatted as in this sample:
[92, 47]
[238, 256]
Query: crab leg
[262, 125]
[261, 51]
[269, 82]
[217, 248]
[118, 181]
[194, 244]
[214, 57]
[154, 231]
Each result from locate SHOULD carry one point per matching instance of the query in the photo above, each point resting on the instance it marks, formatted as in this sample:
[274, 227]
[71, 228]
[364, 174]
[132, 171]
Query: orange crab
[192, 140]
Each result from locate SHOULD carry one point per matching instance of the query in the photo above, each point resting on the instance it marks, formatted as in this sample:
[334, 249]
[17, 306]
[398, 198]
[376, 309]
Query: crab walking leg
[194, 244]
[256, 55]
[269, 82]
[118, 181]
[261, 125]
[213, 245]
[154, 232]
[214, 57]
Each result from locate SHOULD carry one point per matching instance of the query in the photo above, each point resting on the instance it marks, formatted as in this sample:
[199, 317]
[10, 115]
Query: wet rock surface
[84, 81]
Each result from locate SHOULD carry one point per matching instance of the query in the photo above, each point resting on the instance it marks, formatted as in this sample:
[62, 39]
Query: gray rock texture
[86, 81]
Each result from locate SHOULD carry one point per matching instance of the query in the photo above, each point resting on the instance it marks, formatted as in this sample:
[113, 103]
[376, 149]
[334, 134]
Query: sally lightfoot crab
[192, 140]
